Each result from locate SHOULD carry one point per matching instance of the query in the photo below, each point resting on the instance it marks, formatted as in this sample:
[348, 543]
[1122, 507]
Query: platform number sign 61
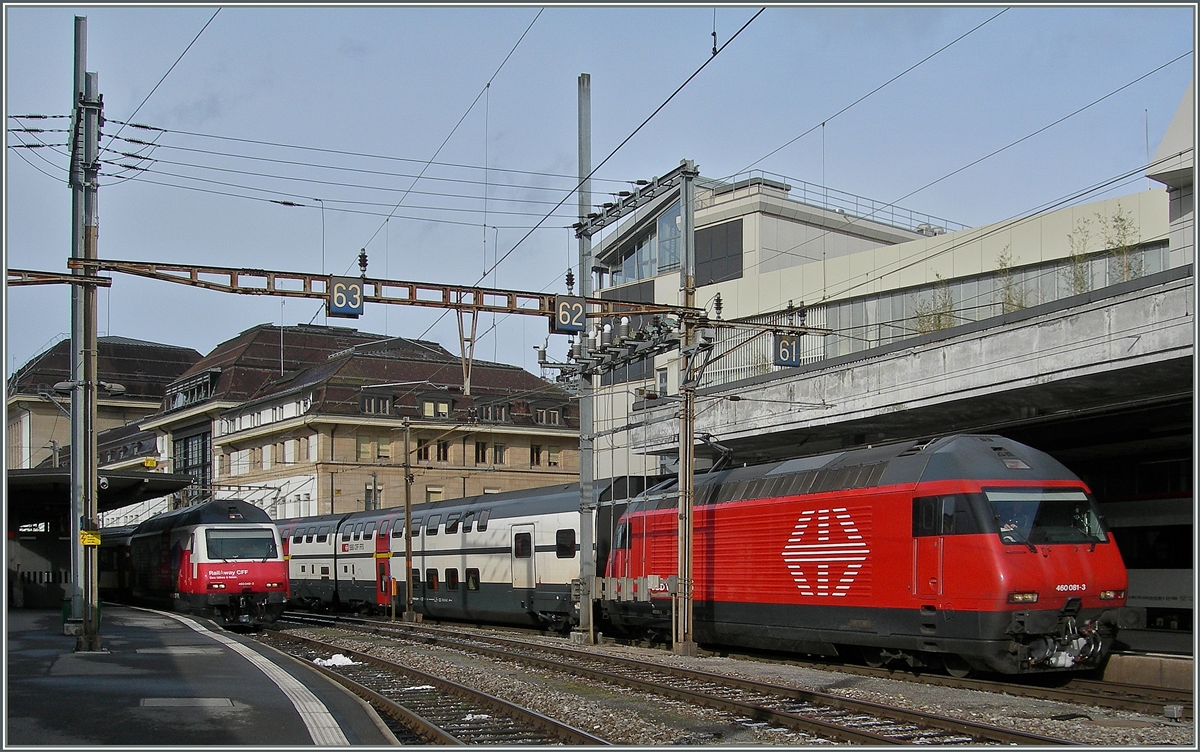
[787, 349]
[345, 297]
[570, 314]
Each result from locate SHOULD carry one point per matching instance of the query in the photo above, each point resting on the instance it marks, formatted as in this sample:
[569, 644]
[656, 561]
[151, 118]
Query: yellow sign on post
[89, 538]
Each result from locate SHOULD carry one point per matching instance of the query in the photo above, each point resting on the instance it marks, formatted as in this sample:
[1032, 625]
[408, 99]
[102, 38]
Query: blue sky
[400, 83]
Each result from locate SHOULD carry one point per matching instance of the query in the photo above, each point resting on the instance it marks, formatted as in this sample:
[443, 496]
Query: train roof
[222, 510]
[960, 456]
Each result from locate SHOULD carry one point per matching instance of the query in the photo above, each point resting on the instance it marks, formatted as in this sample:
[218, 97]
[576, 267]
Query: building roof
[239, 367]
[407, 375]
[143, 368]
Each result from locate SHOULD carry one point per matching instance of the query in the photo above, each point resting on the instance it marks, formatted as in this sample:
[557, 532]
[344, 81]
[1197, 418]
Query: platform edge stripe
[322, 727]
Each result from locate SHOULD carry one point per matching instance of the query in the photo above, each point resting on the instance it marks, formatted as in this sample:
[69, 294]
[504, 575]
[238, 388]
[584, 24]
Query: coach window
[346, 532]
[284, 533]
[431, 579]
[452, 579]
[416, 526]
[483, 519]
[432, 527]
[452, 526]
[322, 534]
[468, 520]
[564, 544]
[369, 532]
[472, 579]
[416, 585]
[308, 534]
[522, 545]
[299, 536]
[358, 531]
[383, 528]
[398, 529]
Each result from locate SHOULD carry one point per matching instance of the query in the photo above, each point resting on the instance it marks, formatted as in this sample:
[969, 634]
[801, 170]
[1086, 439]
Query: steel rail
[549, 726]
[792, 720]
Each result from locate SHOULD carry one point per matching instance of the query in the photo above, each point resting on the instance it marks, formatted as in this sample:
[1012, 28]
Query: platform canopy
[35, 493]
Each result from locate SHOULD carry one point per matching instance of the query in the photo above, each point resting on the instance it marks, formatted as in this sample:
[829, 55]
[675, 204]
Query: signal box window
[431, 579]
[522, 545]
[564, 544]
[472, 579]
[452, 579]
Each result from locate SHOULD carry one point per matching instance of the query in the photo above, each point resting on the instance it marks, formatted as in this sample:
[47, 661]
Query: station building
[912, 301]
[39, 419]
[306, 420]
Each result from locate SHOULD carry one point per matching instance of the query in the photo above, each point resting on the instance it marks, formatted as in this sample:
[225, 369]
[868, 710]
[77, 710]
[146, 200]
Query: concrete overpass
[1109, 371]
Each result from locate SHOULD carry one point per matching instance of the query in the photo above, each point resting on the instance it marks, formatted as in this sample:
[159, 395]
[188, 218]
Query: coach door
[522, 556]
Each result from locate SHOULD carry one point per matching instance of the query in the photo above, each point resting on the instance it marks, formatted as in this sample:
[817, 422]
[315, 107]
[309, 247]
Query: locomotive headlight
[274, 584]
[1111, 595]
[216, 586]
[1022, 597]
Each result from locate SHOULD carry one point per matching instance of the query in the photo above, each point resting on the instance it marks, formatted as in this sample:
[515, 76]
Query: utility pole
[683, 640]
[409, 614]
[587, 506]
[83, 174]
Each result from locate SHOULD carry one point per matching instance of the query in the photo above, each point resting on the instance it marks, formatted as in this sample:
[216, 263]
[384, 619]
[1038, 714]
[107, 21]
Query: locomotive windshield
[224, 543]
[1045, 515]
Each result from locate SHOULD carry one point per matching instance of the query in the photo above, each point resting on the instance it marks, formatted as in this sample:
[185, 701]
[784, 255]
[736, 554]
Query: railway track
[817, 714]
[426, 709]
[1137, 698]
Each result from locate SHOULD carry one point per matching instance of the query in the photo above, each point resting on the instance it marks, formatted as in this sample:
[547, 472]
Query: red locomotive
[222, 559]
[969, 552]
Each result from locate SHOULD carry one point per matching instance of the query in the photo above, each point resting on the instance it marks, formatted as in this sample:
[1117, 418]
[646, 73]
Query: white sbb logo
[826, 552]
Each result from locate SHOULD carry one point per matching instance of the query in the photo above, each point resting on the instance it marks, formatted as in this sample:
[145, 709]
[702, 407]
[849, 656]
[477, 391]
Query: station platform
[1170, 671]
[170, 680]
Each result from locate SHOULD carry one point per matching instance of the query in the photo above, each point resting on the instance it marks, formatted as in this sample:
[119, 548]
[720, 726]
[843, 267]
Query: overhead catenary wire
[875, 90]
[855, 220]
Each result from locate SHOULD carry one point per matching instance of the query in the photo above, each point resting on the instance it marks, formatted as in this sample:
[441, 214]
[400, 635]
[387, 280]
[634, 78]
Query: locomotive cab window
[1045, 515]
[252, 543]
[522, 545]
[564, 544]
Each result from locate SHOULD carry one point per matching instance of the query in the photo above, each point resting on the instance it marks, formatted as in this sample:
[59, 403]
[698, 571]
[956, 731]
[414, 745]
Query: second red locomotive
[221, 558]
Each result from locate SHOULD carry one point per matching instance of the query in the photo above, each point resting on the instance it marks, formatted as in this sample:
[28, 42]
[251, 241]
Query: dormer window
[547, 417]
[436, 409]
[372, 405]
[496, 413]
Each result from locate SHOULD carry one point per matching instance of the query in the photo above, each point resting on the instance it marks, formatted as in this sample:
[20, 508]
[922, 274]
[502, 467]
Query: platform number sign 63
[345, 297]
[570, 314]
[787, 349]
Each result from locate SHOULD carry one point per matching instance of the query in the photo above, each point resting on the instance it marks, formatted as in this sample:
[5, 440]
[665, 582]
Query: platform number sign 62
[345, 297]
[787, 349]
[570, 314]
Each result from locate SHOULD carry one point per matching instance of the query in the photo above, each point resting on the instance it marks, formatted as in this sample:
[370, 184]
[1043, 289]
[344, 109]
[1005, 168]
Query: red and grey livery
[221, 558]
[973, 552]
